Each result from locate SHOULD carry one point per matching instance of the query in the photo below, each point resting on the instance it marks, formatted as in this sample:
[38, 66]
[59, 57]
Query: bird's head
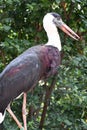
[55, 19]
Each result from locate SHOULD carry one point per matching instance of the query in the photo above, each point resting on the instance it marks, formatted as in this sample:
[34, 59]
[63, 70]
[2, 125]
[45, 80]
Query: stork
[39, 62]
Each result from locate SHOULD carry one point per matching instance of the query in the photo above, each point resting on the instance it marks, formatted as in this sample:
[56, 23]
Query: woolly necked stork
[36, 63]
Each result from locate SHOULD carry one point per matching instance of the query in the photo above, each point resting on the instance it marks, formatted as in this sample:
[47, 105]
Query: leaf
[68, 122]
[6, 28]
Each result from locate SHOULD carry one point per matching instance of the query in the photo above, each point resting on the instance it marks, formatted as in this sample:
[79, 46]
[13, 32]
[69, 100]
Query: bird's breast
[50, 57]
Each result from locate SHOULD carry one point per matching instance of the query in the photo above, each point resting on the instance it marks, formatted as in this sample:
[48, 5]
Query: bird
[36, 63]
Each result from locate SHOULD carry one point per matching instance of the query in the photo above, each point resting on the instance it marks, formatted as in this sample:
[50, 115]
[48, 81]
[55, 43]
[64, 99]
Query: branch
[3, 57]
[46, 101]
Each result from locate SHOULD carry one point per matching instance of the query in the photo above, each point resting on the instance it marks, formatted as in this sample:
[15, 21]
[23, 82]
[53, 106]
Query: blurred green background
[60, 103]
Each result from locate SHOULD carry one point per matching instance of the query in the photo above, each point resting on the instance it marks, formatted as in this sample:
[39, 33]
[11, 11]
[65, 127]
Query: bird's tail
[2, 116]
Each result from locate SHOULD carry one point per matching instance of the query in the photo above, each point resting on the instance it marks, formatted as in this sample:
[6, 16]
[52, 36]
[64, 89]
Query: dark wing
[19, 76]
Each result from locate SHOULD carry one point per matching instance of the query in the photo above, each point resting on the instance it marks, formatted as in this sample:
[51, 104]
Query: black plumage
[24, 72]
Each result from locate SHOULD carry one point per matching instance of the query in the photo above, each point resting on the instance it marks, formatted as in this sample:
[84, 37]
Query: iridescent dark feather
[24, 72]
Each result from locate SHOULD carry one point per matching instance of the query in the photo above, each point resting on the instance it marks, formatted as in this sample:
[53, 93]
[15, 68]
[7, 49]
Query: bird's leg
[24, 111]
[14, 117]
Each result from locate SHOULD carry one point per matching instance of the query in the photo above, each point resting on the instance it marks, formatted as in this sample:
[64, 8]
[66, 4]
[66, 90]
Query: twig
[46, 101]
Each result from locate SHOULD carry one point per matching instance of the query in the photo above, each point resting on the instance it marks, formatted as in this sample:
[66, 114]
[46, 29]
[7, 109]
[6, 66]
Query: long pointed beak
[68, 31]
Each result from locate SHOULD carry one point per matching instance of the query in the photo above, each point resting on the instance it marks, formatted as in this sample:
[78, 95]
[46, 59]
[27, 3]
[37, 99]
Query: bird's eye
[57, 16]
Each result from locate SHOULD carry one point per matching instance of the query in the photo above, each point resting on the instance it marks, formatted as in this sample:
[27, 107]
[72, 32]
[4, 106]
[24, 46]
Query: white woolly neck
[51, 30]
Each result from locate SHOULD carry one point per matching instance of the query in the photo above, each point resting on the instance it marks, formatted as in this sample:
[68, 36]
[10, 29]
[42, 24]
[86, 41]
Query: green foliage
[20, 28]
